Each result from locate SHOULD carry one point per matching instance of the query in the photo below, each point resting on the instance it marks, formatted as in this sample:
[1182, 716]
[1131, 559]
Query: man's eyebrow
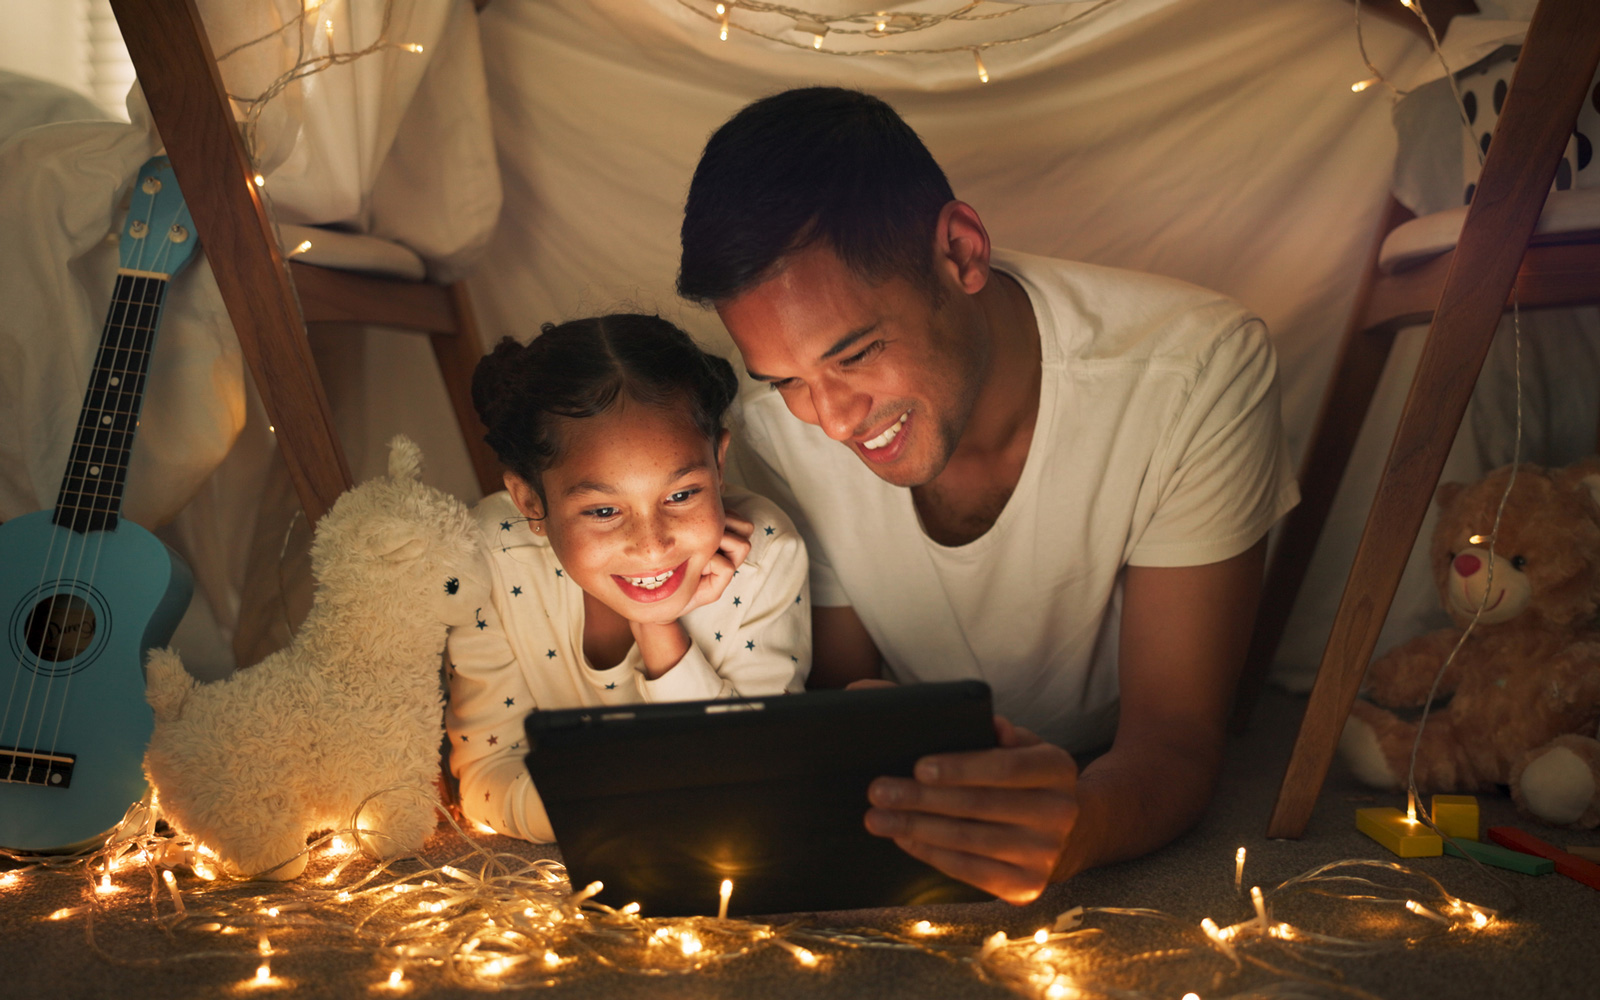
[839, 347]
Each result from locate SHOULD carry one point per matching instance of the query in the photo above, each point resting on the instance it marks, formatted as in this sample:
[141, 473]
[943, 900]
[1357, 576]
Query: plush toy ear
[393, 540]
[405, 458]
[1447, 493]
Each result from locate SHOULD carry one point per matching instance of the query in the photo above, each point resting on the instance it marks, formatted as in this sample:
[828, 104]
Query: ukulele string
[72, 535]
[144, 292]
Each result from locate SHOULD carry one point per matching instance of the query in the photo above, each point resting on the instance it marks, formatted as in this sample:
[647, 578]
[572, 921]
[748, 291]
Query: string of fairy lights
[883, 32]
[493, 920]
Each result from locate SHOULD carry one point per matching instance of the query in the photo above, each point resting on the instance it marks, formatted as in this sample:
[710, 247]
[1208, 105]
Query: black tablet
[663, 802]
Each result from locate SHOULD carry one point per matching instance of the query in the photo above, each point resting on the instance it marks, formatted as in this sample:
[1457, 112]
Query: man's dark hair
[819, 164]
[523, 392]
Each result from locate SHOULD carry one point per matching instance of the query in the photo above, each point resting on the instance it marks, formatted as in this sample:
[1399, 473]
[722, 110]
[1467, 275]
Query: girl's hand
[730, 555]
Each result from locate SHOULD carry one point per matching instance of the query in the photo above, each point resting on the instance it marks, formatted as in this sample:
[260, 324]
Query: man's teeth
[649, 582]
[888, 435]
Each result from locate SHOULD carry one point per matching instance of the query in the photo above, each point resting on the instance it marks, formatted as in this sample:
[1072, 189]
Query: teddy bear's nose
[1467, 564]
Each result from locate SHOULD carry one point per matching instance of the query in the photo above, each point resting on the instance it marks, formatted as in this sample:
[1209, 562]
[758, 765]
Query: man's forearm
[1137, 798]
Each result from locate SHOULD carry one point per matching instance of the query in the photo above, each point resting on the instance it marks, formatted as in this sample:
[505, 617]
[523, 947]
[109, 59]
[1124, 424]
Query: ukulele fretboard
[91, 490]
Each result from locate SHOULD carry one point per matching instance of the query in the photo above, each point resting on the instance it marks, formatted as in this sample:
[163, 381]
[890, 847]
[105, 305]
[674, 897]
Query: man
[1050, 476]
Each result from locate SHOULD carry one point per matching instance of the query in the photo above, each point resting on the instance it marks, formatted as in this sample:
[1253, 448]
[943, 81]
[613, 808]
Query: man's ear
[524, 496]
[722, 455]
[961, 246]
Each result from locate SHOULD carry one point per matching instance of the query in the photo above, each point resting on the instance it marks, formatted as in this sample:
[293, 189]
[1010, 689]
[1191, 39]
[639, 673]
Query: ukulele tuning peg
[151, 185]
[138, 230]
[177, 234]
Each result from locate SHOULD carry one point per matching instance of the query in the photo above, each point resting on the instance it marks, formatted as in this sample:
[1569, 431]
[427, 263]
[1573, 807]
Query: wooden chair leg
[1558, 59]
[172, 56]
[458, 355]
[1345, 403]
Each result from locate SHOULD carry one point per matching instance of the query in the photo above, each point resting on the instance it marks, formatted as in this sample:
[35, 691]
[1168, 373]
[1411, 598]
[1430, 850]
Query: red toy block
[1570, 865]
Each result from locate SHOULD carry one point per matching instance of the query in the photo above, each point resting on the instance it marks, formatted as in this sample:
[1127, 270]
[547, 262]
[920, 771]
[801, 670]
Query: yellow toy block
[1456, 816]
[1406, 838]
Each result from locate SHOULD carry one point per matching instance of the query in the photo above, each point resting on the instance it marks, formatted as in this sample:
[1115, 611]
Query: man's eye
[863, 354]
[683, 495]
[601, 513]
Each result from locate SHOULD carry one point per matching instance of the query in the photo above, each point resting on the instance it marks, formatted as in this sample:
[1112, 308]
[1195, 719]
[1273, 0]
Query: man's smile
[888, 444]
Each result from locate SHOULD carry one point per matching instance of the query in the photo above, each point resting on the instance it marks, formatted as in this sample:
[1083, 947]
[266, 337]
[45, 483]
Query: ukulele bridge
[36, 767]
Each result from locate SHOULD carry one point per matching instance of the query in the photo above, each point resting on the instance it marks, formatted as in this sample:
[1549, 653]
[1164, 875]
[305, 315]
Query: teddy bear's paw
[265, 865]
[1359, 747]
[1558, 786]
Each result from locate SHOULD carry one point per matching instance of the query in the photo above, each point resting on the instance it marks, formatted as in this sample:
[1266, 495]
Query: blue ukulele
[84, 595]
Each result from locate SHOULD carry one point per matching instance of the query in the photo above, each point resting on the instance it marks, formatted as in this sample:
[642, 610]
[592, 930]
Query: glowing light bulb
[1423, 911]
[105, 885]
[1411, 807]
[412, 47]
[1238, 869]
[724, 895]
[722, 9]
[264, 946]
[691, 945]
[1040, 936]
[1360, 85]
[1191, 996]
[922, 927]
[552, 959]
[397, 979]
[303, 246]
[1477, 539]
[631, 909]
[805, 956]
[983, 71]
[1261, 906]
[260, 180]
[264, 972]
[1480, 919]
[816, 41]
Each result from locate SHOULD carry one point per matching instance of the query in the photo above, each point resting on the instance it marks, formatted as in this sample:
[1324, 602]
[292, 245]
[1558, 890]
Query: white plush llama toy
[252, 764]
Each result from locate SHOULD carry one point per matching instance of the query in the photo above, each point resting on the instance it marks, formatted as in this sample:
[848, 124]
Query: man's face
[882, 368]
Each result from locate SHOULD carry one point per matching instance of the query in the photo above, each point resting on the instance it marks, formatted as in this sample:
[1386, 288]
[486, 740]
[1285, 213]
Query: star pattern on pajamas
[494, 740]
[506, 526]
[750, 644]
[769, 529]
[612, 686]
[510, 702]
[517, 592]
[718, 635]
[549, 654]
[737, 602]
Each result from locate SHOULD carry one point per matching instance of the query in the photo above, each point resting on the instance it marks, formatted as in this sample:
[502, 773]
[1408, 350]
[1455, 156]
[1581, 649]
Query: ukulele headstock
[158, 236]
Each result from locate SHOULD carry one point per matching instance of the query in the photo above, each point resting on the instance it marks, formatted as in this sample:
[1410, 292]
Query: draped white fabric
[1217, 141]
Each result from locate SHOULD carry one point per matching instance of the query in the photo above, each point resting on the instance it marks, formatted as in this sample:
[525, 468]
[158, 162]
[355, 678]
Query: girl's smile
[652, 587]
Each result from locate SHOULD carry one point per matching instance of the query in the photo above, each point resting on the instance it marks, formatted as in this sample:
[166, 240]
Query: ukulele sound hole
[60, 627]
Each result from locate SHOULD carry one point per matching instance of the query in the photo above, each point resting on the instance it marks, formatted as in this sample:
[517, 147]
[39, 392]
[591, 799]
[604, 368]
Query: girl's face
[634, 507]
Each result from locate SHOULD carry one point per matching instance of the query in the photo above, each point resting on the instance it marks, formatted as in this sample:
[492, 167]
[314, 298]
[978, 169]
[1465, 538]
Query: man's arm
[1013, 819]
[841, 649]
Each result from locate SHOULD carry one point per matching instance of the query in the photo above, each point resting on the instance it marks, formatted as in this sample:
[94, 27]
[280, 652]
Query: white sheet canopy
[1217, 141]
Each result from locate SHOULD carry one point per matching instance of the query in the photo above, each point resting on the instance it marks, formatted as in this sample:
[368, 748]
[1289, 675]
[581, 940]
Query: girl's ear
[722, 454]
[524, 496]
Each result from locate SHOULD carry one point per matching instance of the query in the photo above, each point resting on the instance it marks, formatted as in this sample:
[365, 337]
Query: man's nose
[839, 408]
[1467, 564]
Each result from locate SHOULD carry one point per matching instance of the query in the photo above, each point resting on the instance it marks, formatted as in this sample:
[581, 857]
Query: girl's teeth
[887, 435]
[649, 582]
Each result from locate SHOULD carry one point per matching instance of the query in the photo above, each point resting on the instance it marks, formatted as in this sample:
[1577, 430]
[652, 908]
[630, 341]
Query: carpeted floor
[1545, 944]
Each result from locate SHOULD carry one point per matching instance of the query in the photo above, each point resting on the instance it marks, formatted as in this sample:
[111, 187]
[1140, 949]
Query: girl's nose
[1467, 564]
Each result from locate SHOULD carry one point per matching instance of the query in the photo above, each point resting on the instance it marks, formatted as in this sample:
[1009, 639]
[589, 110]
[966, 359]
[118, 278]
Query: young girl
[613, 573]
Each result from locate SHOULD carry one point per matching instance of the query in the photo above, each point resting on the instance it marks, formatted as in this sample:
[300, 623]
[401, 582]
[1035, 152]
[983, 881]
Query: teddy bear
[1520, 704]
[252, 764]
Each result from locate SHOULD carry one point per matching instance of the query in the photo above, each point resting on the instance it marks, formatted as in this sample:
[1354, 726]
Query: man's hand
[730, 555]
[998, 819]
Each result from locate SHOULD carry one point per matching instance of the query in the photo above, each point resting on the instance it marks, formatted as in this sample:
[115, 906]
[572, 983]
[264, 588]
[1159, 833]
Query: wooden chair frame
[183, 87]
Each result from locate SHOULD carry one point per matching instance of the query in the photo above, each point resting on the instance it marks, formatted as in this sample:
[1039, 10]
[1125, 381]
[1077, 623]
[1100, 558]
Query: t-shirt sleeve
[489, 698]
[1223, 475]
[750, 469]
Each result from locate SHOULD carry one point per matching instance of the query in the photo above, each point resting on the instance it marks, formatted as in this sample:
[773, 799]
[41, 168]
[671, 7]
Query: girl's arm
[489, 698]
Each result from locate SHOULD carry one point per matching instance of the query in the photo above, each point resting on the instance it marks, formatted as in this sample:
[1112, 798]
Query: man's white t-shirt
[1158, 443]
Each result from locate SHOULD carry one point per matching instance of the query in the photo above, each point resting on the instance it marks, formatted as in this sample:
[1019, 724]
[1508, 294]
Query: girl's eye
[783, 383]
[683, 495]
[601, 513]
